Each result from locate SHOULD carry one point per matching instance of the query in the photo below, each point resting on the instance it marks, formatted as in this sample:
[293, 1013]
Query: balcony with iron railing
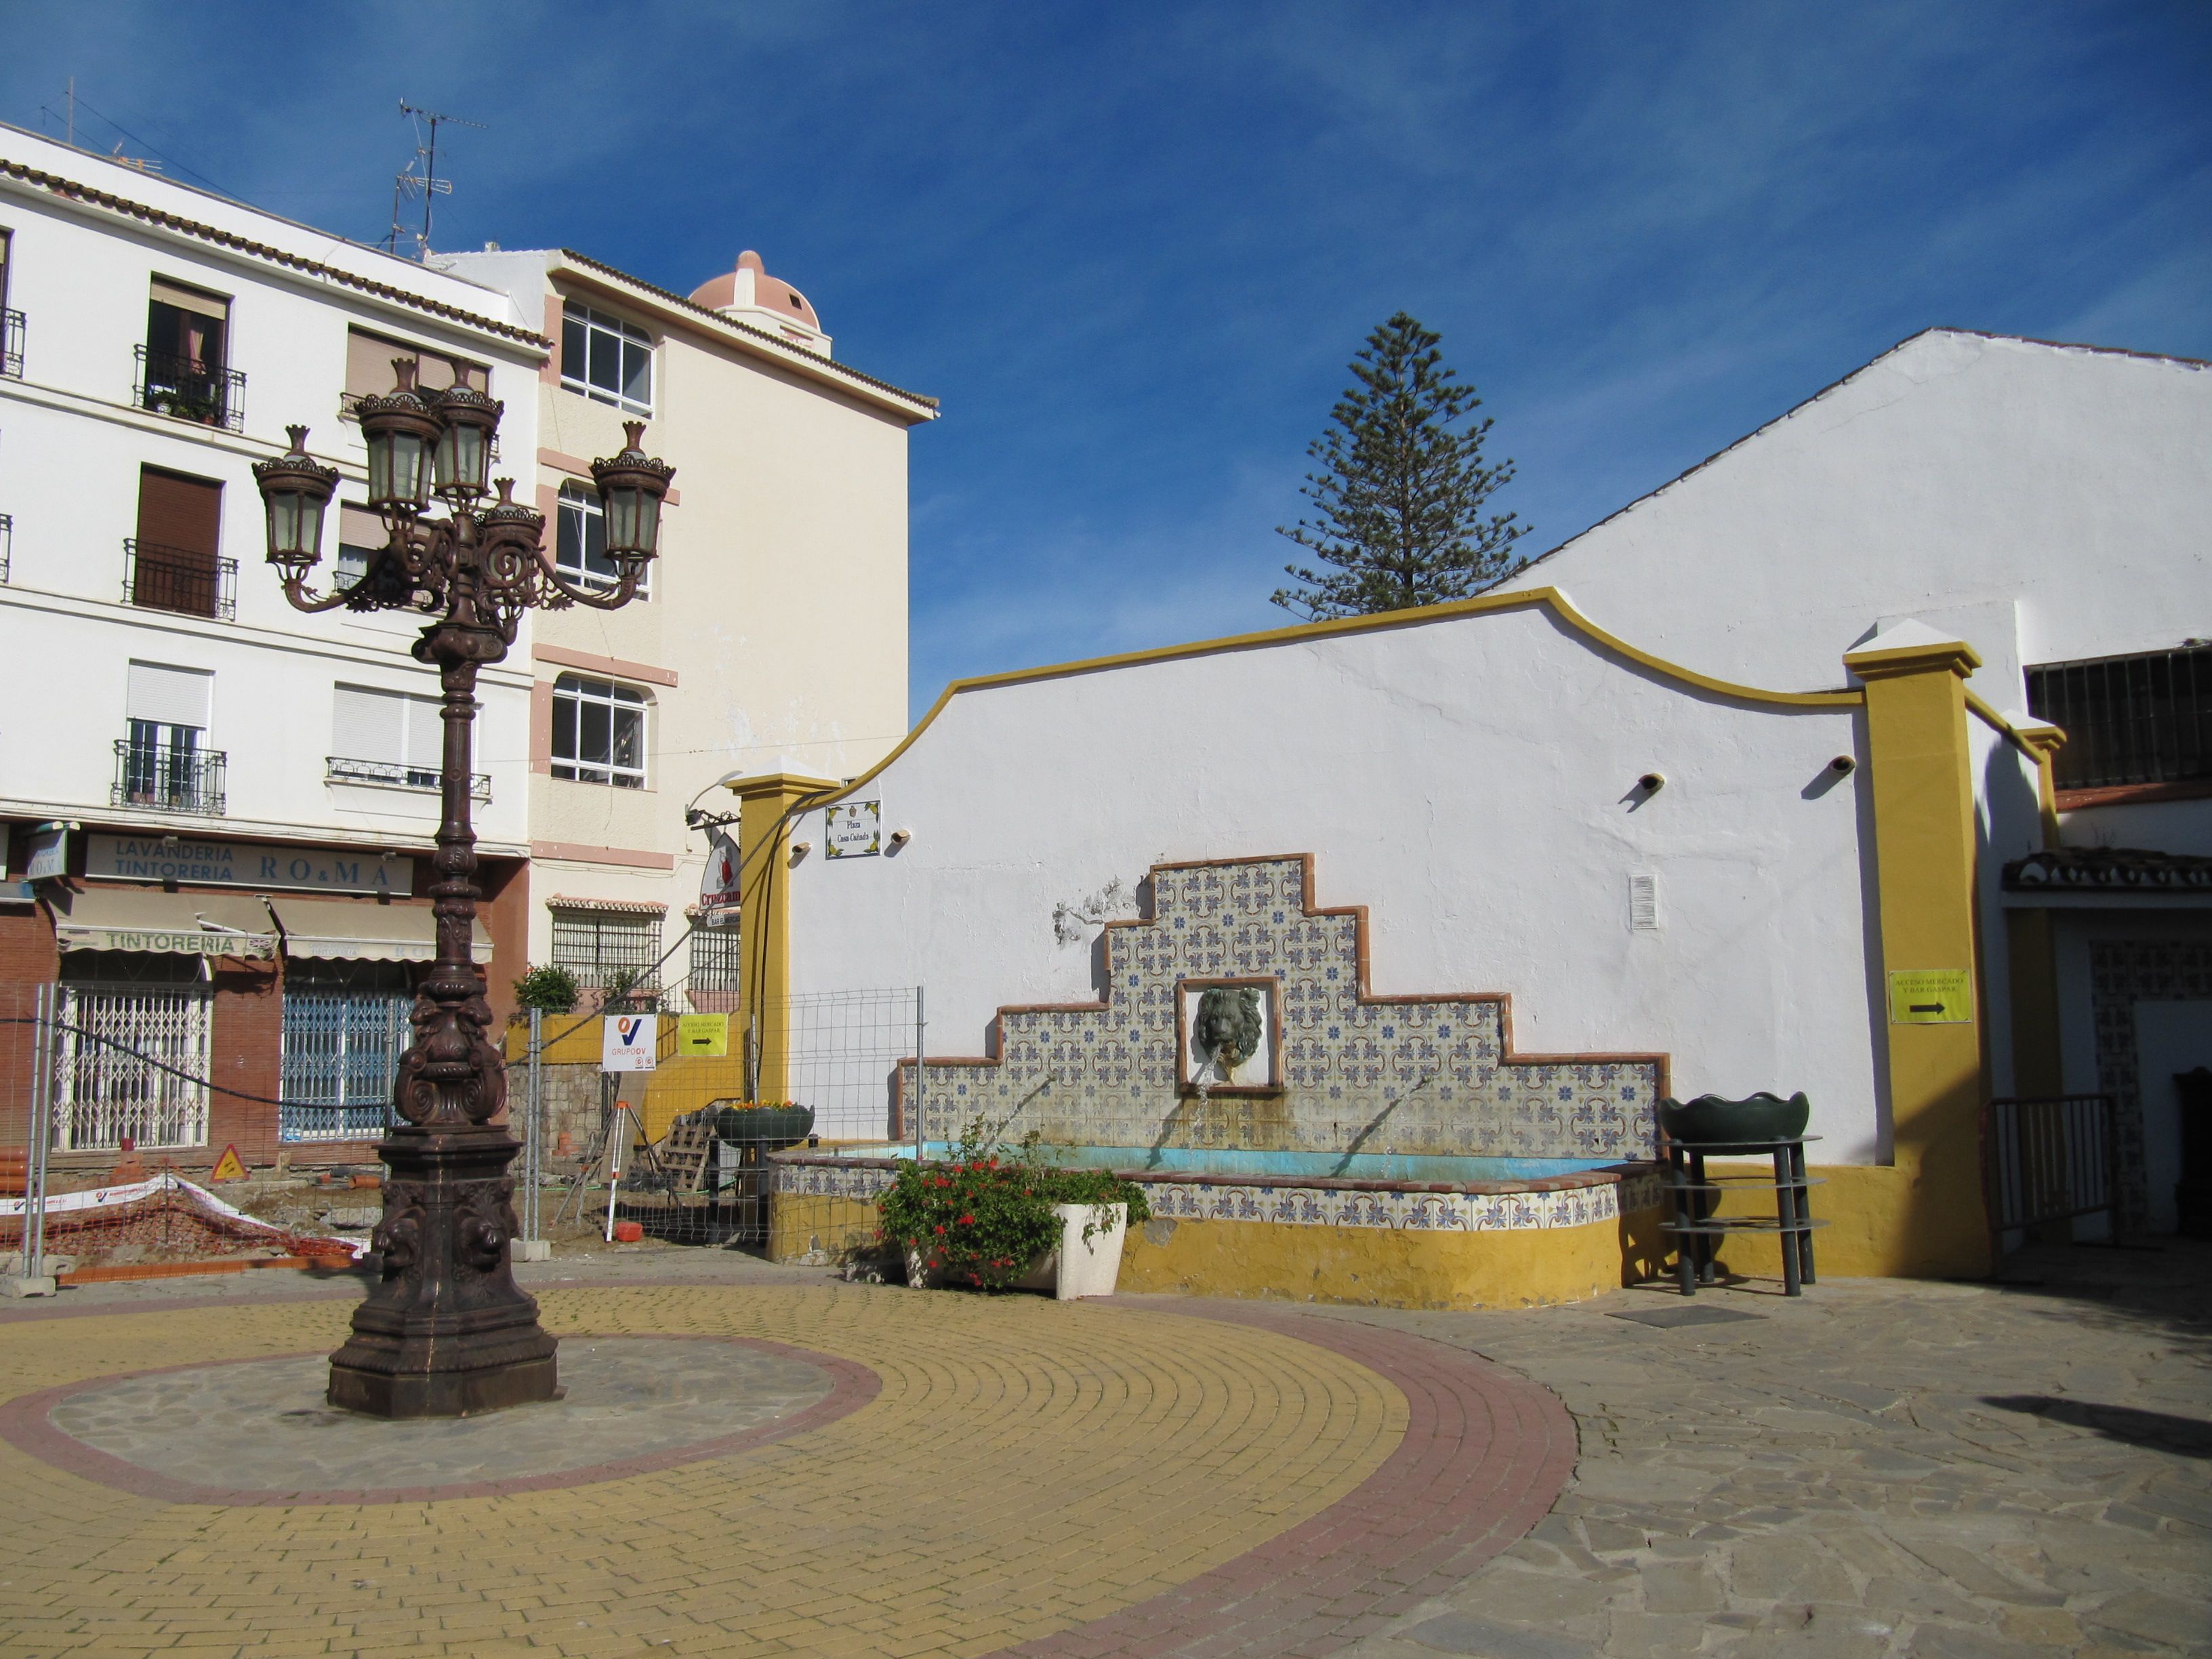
[11, 344]
[396, 774]
[167, 779]
[190, 389]
[158, 578]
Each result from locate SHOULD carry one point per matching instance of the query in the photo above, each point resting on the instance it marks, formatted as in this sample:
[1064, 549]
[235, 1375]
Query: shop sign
[717, 881]
[630, 1043]
[245, 864]
[853, 829]
[49, 854]
[170, 941]
[702, 1034]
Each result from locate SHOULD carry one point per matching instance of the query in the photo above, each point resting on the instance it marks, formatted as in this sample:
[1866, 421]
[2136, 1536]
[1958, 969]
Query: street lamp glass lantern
[402, 429]
[295, 489]
[463, 461]
[632, 487]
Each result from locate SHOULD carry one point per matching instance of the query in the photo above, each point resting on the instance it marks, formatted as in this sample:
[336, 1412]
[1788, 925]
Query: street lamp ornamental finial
[446, 1331]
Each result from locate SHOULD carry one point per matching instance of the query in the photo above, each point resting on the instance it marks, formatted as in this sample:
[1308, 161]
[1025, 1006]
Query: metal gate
[131, 1060]
[2050, 1158]
[340, 1051]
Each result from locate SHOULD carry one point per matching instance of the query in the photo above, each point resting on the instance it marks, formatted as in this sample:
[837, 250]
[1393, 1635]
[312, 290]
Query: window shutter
[190, 299]
[426, 733]
[368, 363]
[367, 726]
[175, 511]
[1642, 902]
[359, 527]
[169, 696]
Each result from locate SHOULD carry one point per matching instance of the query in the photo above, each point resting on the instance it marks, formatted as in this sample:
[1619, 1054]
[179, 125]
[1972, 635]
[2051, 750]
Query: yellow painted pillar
[768, 807]
[2038, 1060]
[1920, 768]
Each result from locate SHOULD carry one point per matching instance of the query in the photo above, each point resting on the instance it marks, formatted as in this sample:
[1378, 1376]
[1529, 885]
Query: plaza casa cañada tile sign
[246, 864]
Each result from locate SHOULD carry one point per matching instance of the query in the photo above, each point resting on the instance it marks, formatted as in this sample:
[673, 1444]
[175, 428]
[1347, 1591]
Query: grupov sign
[245, 864]
[630, 1043]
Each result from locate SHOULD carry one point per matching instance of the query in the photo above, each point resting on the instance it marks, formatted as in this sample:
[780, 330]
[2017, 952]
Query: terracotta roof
[152, 215]
[641, 907]
[801, 360]
[2108, 870]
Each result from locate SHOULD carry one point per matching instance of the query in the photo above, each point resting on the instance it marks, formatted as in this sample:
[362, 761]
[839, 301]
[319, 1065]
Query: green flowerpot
[1711, 1119]
[769, 1127]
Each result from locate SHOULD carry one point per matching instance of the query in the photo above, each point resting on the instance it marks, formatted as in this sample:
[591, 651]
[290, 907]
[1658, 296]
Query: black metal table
[1696, 1225]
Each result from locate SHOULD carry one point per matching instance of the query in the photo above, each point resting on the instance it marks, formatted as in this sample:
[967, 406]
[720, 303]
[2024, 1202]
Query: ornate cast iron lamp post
[447, 1331]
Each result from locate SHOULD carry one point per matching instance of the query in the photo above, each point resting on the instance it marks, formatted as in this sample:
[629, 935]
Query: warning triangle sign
[229, 1166]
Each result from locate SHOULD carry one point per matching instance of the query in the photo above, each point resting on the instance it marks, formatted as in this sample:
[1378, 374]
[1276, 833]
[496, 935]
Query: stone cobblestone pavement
[1882, 1468]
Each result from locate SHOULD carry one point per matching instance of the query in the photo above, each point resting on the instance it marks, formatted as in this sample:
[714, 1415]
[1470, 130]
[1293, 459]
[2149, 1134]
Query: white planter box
[1079, 1267]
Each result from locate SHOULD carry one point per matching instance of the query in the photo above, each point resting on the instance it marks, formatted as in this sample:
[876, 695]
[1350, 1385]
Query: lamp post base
[448, 1333]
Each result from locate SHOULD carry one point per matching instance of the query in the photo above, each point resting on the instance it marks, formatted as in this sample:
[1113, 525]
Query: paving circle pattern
[979, 1476]
[259, 1428]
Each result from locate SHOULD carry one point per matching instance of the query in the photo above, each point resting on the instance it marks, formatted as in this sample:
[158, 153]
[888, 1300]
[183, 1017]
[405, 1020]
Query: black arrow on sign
[1925, 1008]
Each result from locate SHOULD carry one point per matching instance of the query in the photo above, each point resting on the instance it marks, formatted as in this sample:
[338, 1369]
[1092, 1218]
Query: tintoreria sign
[245, 864]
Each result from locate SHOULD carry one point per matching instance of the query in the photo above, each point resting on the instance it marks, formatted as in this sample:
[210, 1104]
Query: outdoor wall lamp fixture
[447, 1331]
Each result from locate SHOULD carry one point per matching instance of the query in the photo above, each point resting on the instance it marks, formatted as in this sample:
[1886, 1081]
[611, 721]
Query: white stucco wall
[1471, 781]
[2043, 502]
[72, 442]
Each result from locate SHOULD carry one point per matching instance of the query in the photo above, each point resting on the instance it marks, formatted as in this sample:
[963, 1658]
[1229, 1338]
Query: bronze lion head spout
[1228, 1027]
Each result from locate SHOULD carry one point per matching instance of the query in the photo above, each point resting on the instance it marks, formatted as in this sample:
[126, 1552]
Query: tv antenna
[409, 183]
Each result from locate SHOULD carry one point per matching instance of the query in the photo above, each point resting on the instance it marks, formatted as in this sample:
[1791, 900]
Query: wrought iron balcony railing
[11, 344]
[190, 389]
[178, 578]
[168, 779]
[396, 774]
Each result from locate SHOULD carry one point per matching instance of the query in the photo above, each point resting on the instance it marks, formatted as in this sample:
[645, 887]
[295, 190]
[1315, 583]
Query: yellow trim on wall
[1548, 599]
[1921, 771]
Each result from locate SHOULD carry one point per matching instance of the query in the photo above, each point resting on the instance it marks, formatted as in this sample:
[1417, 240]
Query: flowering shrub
[982, 1218]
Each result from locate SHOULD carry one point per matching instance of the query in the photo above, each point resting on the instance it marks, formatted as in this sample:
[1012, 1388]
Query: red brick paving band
[1485, 1456]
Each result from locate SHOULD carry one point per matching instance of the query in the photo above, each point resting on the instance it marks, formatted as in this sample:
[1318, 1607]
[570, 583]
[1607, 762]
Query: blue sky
[1131, 246]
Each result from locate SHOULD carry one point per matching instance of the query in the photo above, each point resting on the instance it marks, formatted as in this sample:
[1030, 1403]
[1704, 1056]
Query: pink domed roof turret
[751, 295]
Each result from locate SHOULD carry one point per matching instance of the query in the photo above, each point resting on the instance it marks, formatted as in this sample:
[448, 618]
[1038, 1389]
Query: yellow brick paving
[1028, 1465]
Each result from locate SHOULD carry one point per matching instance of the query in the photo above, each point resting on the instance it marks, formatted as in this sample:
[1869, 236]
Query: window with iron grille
[606, 359]
[2135, 719]
[607, 948]
[715, 958]
[598, 732]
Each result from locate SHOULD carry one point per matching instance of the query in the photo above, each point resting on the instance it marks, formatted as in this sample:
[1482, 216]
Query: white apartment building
[772, 637]
[219, 808]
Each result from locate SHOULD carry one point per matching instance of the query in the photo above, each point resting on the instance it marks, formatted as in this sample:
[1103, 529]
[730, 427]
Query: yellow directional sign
[702, 1034]
[1931, 996]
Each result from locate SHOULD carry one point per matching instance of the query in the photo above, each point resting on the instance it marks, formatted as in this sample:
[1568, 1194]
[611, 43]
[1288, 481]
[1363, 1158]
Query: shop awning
[147, 919]
[335, 929]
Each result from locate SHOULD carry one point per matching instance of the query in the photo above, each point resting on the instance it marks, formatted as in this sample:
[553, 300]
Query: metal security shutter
[169, 696]
[426, 733]
[182, 513]
[367, 726]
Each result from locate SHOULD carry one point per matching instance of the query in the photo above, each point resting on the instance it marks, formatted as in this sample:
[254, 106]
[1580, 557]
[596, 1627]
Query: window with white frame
[607, 949]
[580, 541]
[598, 732]
[606, 359]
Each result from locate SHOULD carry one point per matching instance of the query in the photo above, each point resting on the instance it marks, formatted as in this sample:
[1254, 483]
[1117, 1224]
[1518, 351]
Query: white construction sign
[629, 1042]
